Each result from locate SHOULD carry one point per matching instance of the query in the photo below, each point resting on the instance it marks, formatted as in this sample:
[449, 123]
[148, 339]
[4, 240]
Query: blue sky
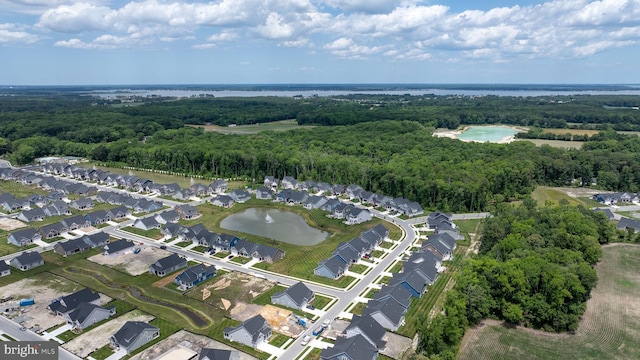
[94, 42]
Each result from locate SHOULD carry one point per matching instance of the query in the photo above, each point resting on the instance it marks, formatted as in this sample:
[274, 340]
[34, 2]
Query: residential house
[217, 354]
[338, 190]
[251, 332]
[199, 189]
[425, 264]
[183, 194]
[348, 253]
[268, 254]
[449, 228]
[297, 296]
[99, 239]
[388, 313]
[68, 303]
[439, 246]
[366, 197]
[406, 207]
[57, 208]
[52, 230]
[75, 222]
[224, 201]
[194, 275]
[97, 217]
[352, 348]
[289, 182]
[398, 293]
[82, 204]
[27, 260]
[243, 247]
[412, 281]
[147, 223]
[187, 212]
[369, 328]
[170, 230]
[271, 182]
[23, 237]
[133, 335]
[314, 202]
[240, 196]
[358, 216]
[118, 247]
[168, 216]
[322, 187]
[264, 193]
[225, 242]
[307, 185]
[167, 265]
[381, 230]
[626, 223]
[35, 214]
[332, 268]
[4, 269]
[70, 247]
[353, 191]
[608, 213]
[87, 314]
[119, 213]
[218, 186]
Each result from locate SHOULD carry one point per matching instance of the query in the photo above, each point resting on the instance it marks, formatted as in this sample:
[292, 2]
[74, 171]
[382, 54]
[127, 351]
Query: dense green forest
[535, 268]
[394, 157]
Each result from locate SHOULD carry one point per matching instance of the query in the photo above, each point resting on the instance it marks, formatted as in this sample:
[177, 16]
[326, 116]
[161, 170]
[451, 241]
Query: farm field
[556, 143]
[283, 125]
[608, 330]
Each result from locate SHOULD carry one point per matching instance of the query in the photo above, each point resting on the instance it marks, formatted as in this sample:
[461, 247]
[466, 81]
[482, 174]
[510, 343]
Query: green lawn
[358, 268]
[102, 353]
[278, 340]
[265, 297]
[358, 308]
[547, 195]
[240, 260]
[183, 244]
[282, 125]
[18, 190]
[321, 301]
[152, 234]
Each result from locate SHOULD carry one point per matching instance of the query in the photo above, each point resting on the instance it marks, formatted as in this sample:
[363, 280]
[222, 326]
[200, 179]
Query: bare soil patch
[188, 340]
[396, 345]
[234, 287]
[11, 224]
[43, 288]
[134, 264]
[96, 338]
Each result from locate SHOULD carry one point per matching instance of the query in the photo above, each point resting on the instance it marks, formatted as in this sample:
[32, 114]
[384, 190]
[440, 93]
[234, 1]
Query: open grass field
[571, 131]
[283, 125]
[547, 195]
[609, 329]
[299, 261]
[556, 143]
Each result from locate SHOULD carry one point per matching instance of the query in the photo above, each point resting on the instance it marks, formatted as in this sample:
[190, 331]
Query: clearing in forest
[608, 330]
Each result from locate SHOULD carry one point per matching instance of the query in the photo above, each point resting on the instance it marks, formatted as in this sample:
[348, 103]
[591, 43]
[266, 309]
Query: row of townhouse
[350, 252]
[353, 192]
[134, 204]
[618, 197]
[184, 212]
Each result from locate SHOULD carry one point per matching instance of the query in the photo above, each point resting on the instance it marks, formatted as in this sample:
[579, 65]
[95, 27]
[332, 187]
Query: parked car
[22, 328]
[311, 307]
[230, 257]
[305, 340]
[163, 247]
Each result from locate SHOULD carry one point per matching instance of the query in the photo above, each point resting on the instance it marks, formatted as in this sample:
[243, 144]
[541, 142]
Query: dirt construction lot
[96, 338]
[134, 264]
[188, 340]
[43, 288]
[11, 224]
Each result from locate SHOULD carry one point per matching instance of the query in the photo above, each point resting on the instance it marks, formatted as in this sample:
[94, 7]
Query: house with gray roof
[118, 213]
[23, 237]
[297, 296]
[82, 204]
[27, 260]
[388, 313]
[347, 253]
[218, 186]
[224, 201]
[358, 216]
[70, 247]
[626, 223]
[87, 314]
[266, 253]
[398, 293]
[314, 202]
[352, 348]
[353, 191]
[264, 193]
[240, 196]
[75, 222]
[146, 223]
[332, 268]
[251, 332]
[412, 281]
[289, 182]
[167, 265]
[99, 239]
[199, 189]
[437, 244]
[35, 214]
[322, 187]
[4, 269]
[369, 328]
[52, 230]
[187, 212]
[168, 216]
[68, 303]
[381, 230]
[607, 212]
[217, 354]
[133, 335]
[97, 217]
[224, 242]
[194, 275]
[271, 182]
[170, 230]
[57, 208]
[118, 247]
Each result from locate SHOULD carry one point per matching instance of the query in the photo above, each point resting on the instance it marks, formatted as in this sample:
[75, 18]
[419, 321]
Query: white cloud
[16, 34]
[77, 18]
[223, 36]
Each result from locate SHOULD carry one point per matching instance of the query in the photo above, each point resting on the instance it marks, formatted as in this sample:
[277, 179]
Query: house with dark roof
[27, 260]
[240, 196]
[626, 223]
[412, 281]
[75, 222]
[99, 239]
[314, 202]
[224, 201]
[353, 348]
[87, 314]
[23, 237]
[369, 328]
[167, 265]
[4, 269]
[170, 230]
[218, 186]
[68, 303]
[217, 354]
[388, 313]
[439, 248]
[358, 216]
[347, 253]
[398, 293]
[332, 268]
[264, 193]
[194, 275]
[36, 214]
[322, 187]
[353, 191]
[70, 247]
[251, 332]
[52, 230]
[297, 296]
[97, 217]
[271, 182]
[133, 335]
[57, 208]
[118, 213]
[607, 212]
[146, 223]
[118, 247]
[199, 189]
[266, 253]
[289, 182]
[168, 216]
[187, 212]
[82, 204]
[224, 242]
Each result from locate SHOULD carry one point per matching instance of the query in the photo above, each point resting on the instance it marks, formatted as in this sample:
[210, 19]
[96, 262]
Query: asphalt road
[12, 329]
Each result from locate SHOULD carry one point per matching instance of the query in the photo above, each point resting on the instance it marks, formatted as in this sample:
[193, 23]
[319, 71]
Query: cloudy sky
[91, 42]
